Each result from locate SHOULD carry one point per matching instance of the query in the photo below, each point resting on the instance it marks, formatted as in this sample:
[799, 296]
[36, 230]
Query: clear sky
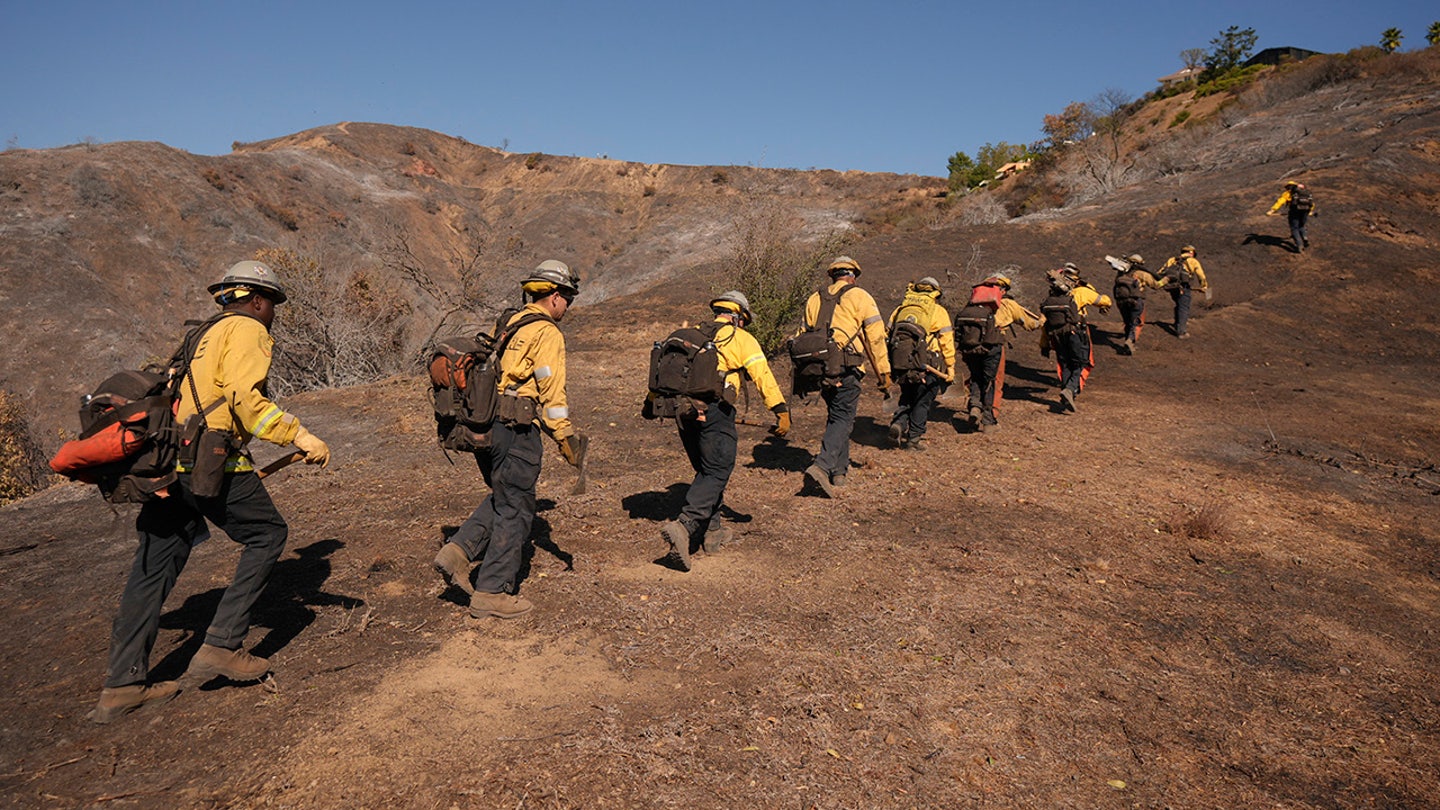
[876, 86]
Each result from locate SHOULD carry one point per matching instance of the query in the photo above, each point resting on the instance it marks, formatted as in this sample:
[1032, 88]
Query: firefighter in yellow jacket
[920, 386]
[1177, 276]
[1299, 205]
[708, 435]
[985, 360]
[532, 401]
[1067, 331]
[229, 367]
[859, 331]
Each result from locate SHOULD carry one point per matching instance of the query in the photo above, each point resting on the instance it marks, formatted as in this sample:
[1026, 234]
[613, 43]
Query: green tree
[961, 167]
[1433, 35]
[1230, 49]
[1390, 39]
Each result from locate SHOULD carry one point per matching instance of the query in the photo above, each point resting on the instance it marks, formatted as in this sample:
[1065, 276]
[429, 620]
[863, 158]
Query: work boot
[500, 605]
[837, 480]
[1067, 399]
[1183, 336]
[821, 479]
[988, 420]
[1129, 346]
[897, 434]
[454, 565]
[916, 445]
[977, 416]
[678, 537]
[121, 700]
[718, 537]
[237, 665]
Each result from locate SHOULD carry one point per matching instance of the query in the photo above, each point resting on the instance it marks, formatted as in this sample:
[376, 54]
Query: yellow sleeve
[942, 331]
[1193, 264]
[1015, 313]
[873, 327]
[742, 352]
[534, 365]
[243, 369]
[1279, 203]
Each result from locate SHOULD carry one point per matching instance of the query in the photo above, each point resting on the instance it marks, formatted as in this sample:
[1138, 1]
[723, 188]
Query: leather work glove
[882, 380]
[570, 449]
[1104, 310]
[1207, 293]
[782, 425]
[316, 451]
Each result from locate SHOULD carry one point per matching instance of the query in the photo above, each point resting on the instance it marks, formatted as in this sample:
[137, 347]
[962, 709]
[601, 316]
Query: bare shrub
[981, 209]
[21, 463]
[335, 329]
[1209, 522]
[777, 269]
[467, 264]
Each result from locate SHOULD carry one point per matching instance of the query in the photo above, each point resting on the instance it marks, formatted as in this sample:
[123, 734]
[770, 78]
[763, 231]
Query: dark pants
[710, 445]
[1181, 295]
[841, 404]
[1073, 358]
[984, 373]
[168, 529]
[495, 533]
[1132, 312]
[1297, 229]
[913, 411]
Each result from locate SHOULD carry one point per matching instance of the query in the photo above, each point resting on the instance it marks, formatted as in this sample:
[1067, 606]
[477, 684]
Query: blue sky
[875, 86]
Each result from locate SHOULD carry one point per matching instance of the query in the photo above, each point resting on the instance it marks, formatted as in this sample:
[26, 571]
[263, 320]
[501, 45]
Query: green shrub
[1180, 118]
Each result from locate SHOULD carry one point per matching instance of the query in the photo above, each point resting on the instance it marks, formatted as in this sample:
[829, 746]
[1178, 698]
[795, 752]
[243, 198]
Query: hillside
[105, 250]
[1216, 585]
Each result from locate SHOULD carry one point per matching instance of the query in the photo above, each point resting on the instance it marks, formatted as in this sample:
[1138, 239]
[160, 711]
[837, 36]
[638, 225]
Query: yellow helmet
[1135, 258]
[998, 280]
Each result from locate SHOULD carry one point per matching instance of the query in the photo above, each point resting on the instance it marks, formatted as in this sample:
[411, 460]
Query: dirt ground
[1214, 586]
[1171, 598]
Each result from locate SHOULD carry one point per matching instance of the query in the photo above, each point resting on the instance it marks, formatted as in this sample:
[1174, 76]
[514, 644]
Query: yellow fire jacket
[857, 324]
[939, 332]
[1193, 265]
[1283, 201]
[740, 352]
[534, 366]
[1084, 296]
[230, 369]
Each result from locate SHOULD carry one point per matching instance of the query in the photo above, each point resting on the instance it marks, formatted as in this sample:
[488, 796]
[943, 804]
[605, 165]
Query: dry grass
[1210, 522]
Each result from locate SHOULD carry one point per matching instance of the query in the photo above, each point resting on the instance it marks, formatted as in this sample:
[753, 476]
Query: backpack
[1301, 201]
[687, 364]
[910, 355]
[129, 442]
[814, 353]
[465, 383]
[1127, 288]
[975, 329]
[1062, 316]
[1176, 270]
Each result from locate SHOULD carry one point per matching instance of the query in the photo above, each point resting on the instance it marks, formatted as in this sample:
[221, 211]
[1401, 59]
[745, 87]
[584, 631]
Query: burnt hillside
[106, 249]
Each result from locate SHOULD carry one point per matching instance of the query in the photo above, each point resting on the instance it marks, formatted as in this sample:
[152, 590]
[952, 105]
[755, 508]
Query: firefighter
[859, 331]
[226, 382]
[708, 435]
[532, 402]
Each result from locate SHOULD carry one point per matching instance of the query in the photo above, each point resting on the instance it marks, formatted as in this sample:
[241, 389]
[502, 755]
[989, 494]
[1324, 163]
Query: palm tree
[1390, 39]
[1433, 35]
